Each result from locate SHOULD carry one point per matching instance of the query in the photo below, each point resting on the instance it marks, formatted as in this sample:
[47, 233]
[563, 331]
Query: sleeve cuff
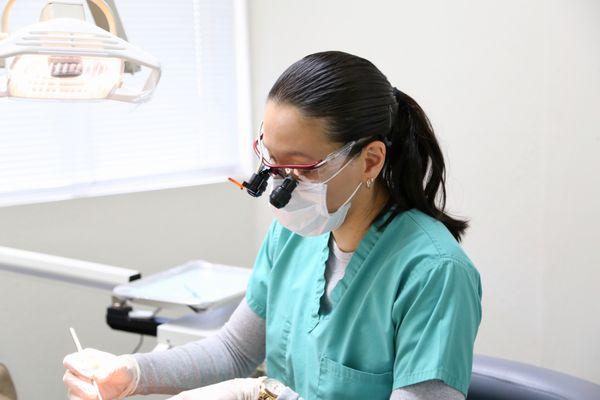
[255, 306]
[439, 373]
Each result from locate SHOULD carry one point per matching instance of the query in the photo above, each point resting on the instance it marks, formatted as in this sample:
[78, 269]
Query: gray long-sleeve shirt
[239, 347]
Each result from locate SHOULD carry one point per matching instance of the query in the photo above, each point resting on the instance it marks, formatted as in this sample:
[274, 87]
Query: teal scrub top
[406, 311]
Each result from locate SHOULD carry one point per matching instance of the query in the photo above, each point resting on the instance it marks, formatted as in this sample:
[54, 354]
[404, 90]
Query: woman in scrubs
[360, 289]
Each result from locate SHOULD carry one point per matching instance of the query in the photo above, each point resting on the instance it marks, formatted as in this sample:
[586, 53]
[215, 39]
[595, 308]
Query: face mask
[306, 213]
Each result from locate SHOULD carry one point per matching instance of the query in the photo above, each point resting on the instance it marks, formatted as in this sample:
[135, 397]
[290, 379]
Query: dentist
[360, 289]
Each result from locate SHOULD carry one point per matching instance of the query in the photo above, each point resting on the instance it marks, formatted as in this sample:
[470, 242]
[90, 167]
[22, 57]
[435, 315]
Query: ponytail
[356, 100]
[414, 171]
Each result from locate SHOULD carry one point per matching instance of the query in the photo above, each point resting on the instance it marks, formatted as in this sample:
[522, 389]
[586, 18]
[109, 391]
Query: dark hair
[358, 102]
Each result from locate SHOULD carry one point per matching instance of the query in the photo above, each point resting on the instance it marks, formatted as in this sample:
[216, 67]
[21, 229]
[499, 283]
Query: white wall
[571, 306]
[512, 89]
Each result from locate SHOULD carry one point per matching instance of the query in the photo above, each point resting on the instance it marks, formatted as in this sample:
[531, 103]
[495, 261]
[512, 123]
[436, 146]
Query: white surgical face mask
[306, 213]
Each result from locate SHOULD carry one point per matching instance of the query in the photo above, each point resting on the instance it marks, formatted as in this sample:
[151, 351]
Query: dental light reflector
[73, 59]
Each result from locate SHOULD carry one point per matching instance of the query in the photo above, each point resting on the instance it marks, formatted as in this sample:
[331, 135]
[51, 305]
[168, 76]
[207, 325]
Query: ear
[373, 155]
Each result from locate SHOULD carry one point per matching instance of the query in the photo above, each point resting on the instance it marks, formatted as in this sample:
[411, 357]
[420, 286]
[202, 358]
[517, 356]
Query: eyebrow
[298, 153]
[293, 154]
[290, 154]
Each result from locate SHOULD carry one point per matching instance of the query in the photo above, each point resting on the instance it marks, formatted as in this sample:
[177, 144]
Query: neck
[360, 217]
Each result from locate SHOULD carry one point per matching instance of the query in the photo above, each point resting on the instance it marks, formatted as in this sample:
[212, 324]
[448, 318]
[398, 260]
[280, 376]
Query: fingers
[81, 363]
[79, 388]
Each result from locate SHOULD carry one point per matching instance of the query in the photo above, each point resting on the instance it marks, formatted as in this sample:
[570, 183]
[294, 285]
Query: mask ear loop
[341, 169]
[385, 140]
[352, 195]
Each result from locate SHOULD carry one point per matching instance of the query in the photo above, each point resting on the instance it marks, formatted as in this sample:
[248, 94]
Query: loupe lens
[281, 195]
[258, 183]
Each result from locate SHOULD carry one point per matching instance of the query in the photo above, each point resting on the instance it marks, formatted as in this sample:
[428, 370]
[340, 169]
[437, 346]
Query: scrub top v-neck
[407, 310]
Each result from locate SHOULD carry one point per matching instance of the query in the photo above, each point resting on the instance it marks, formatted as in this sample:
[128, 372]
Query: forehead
[286, 133]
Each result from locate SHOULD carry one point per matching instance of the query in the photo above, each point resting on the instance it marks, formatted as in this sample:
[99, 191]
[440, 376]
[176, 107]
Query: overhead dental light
[78, 51]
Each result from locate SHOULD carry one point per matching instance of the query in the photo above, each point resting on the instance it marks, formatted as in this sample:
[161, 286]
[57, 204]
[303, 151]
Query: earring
[369, 183]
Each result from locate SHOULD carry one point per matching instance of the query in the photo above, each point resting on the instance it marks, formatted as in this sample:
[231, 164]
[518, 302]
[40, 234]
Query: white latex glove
[116, 376]
[234, 389]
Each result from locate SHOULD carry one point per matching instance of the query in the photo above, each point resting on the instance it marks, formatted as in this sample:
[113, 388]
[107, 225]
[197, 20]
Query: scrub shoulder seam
[438, 261]
[433, 241]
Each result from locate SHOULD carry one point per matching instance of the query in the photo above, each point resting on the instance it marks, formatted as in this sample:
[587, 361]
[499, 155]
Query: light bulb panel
[70, 59]
[60, 77]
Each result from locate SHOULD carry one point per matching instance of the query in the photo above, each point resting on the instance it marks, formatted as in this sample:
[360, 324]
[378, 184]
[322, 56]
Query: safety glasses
[317, 171]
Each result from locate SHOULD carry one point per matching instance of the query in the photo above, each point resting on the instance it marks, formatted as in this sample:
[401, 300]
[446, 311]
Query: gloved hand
[116, 376]
[234, 389]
